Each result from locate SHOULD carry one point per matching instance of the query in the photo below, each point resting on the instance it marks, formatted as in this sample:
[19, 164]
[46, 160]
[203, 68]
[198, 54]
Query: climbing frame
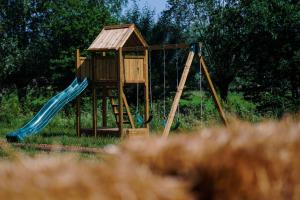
[109, 69]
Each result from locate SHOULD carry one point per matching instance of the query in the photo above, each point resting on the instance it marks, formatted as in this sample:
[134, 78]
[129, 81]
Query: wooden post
[104, 106]
[146, 90]
[184, 76]
[94, 100]
[212, 90]
[120, 91]
[78, 127]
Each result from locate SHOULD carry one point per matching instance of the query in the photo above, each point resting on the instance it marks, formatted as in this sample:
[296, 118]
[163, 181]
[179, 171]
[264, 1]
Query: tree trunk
[224, 88]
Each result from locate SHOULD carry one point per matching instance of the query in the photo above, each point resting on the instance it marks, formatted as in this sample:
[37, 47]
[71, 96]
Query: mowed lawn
[55, 133]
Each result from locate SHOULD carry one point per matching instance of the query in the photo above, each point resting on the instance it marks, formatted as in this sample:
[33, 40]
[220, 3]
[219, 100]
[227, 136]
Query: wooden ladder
[127, 114]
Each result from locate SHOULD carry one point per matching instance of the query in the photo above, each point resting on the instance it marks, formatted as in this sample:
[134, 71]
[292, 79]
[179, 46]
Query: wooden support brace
[104, 106]
[212, 90]
[120, 91]
[128, 110]
[178, 93]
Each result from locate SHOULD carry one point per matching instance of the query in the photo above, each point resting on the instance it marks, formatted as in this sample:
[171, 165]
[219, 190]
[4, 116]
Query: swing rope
[201, 96]
[164, 91]
[200, 87]
[177, 80]
[139, 119]
[176, 126]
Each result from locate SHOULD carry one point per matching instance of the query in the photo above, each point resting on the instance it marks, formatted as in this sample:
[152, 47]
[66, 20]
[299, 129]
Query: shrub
[238, 106]
[9, 107]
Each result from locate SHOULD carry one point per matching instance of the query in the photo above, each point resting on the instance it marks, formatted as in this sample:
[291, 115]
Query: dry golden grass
[242, 161]
[68, 178]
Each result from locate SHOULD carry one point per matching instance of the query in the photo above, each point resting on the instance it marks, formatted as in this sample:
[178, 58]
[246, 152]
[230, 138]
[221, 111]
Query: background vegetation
[251, 47]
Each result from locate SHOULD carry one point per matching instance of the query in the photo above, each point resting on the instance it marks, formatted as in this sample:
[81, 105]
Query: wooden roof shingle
[114, 37]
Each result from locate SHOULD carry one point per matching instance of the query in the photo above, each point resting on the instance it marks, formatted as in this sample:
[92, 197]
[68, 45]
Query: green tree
[253, 41]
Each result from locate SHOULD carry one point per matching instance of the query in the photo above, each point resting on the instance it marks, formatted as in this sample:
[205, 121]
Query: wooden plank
[97, 38]
[212, 90]
[128, 111]
[134, 70]
[140, 37]
[111, 39]
[158, 47]
[102, 132]
[137, 132]
[106, 69]
[125, 37]
[184, 76]
[168, 47]
[119, 26]
[133, 57]
[94, 102]
[120, 90]
[104, 111]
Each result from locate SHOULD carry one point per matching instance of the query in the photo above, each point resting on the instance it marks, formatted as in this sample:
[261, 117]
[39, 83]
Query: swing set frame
[195, 52]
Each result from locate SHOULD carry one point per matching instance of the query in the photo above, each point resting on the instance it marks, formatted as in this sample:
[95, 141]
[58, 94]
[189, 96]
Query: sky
[158, 5]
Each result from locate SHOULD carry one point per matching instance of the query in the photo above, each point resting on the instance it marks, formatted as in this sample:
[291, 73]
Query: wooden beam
[120, 90]
[128, 111]
[184, 76]
[212, 90]
[94, 102]
[140, 37]
[104, 106]
[157, 47]
[119, 26]
[168, 46]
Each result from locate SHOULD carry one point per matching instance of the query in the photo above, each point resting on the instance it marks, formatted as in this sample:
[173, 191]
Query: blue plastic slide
[48, 111]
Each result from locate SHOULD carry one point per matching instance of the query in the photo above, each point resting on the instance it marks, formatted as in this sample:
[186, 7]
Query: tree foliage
[251, 46]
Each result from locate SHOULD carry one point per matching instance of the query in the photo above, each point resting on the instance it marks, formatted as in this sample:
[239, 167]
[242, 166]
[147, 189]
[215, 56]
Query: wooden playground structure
[119, 57]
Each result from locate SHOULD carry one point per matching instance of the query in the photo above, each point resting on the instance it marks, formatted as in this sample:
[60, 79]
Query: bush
[9, 108]
[238, 106]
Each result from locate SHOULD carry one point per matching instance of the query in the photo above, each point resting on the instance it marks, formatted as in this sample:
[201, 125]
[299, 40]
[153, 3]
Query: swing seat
[163, 122]
[176, 126]
[139, 120]
[173, 128]
[149, 119]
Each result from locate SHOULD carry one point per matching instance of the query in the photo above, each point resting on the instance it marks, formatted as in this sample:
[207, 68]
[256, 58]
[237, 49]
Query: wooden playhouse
[116, 60]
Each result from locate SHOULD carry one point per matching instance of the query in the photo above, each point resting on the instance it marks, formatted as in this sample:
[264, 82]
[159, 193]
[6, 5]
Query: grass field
[54, 133]
[61, 129]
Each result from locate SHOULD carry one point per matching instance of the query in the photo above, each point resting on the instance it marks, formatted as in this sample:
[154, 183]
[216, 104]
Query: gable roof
[116, 36]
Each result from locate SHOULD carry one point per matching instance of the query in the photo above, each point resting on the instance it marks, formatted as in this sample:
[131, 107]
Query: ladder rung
[125, 122]
[117, 113]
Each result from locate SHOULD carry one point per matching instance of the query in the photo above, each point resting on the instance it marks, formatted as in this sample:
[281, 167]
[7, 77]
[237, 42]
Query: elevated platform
[114, 132]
